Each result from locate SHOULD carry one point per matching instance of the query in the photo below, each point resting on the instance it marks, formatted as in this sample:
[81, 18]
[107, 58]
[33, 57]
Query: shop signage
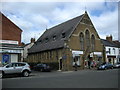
[8, 42]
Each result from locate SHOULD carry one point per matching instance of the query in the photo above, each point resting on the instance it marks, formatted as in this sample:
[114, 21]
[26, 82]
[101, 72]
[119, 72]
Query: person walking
[75, 66]
[89, 64]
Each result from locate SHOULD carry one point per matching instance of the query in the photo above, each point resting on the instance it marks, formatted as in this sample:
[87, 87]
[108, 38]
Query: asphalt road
[70, 79]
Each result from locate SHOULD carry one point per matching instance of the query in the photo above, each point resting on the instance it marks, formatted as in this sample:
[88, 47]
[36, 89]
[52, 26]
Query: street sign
[64, 57]
[5, 58]
[91, 54]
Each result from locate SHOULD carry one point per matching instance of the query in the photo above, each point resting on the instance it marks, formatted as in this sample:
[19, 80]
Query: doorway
[60, 64]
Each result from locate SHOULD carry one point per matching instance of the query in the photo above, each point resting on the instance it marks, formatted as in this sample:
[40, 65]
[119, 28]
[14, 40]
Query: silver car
[16, 68]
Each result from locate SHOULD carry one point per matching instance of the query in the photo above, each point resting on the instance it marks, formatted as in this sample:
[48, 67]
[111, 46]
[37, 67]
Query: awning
[98, 53]
[77, 53]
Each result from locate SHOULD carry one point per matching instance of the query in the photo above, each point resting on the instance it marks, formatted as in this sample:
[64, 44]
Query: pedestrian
[94, 64]
[75, 66]
[89, 64]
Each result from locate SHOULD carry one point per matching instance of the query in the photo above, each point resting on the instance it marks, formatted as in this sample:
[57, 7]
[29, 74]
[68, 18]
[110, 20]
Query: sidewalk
[58, 71]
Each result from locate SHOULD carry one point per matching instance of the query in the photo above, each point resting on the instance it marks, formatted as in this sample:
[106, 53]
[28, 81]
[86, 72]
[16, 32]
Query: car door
[19, 67]
[9, 69]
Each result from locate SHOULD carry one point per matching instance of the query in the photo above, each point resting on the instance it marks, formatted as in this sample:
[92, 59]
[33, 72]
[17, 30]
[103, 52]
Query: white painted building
[112, 51]
[27, 47]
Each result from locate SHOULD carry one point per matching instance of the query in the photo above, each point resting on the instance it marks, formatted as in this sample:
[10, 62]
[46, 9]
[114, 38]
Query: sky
[34, 17]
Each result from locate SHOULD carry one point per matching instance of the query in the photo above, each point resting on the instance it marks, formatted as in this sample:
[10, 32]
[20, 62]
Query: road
[68, 79]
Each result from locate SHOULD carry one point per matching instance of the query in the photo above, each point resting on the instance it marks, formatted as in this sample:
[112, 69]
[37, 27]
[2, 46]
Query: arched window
[87, 37]
[93, 42]
[81, 41]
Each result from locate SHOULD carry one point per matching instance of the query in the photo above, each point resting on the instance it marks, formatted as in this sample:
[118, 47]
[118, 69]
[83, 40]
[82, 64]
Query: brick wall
[9, 30]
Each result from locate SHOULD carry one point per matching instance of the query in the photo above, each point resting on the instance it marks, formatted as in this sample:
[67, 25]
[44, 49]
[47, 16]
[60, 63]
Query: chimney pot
[109, 38]
[32, 40]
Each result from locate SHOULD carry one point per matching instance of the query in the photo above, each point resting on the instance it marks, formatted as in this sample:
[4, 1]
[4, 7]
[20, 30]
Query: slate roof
[108, 43]
[46, 42]
[117, 42]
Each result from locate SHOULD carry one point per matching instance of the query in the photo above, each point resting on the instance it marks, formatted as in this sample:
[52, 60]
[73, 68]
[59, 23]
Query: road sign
[5, 58]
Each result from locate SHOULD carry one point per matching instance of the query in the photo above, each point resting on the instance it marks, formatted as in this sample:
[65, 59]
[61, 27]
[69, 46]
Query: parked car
[105, 66]
[16, 68]
[117, 65]
[42, 67]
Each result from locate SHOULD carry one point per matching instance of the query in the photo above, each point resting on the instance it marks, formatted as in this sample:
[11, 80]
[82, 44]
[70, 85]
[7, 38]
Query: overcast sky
[34, 17]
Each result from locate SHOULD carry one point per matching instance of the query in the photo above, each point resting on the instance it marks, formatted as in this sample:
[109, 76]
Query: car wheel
[2, 75]
[25, 73]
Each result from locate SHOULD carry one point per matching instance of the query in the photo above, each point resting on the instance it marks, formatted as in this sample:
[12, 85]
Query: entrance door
[60, 64]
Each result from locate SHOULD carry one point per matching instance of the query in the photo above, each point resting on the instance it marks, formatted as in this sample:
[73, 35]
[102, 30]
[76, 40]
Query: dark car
[42, 67]
[117, 65]
[105, 66]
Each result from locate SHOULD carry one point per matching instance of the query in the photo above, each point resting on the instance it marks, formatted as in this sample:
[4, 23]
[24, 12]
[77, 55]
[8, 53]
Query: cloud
[34, 17]
[106, 24]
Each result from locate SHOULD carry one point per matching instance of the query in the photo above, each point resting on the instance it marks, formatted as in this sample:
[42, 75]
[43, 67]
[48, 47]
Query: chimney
[22, 44]
[32, 40]
[109, 38]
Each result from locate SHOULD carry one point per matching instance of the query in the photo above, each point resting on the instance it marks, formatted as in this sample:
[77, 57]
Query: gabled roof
[2, 16]
[46, 42]
[108, 43]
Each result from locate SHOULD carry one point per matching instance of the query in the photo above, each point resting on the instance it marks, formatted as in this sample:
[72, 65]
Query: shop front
[76, 57]
[111, 59]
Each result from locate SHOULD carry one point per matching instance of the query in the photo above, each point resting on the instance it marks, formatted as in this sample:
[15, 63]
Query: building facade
[27, 47]
[112, 50]
[75, 41]
[10, 41]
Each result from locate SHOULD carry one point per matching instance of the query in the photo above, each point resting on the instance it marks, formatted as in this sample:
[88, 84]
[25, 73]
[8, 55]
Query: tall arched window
[93, 42]
[87, 37]
[81, 41]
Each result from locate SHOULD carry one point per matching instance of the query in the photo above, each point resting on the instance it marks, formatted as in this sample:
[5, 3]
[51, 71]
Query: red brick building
[10, 41]
[9, 30]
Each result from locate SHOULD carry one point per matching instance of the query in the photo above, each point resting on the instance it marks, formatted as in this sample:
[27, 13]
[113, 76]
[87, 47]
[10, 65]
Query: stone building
[73, 41]
[10, 41]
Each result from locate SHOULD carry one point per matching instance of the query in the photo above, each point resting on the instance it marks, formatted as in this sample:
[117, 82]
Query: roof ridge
[65, 22]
